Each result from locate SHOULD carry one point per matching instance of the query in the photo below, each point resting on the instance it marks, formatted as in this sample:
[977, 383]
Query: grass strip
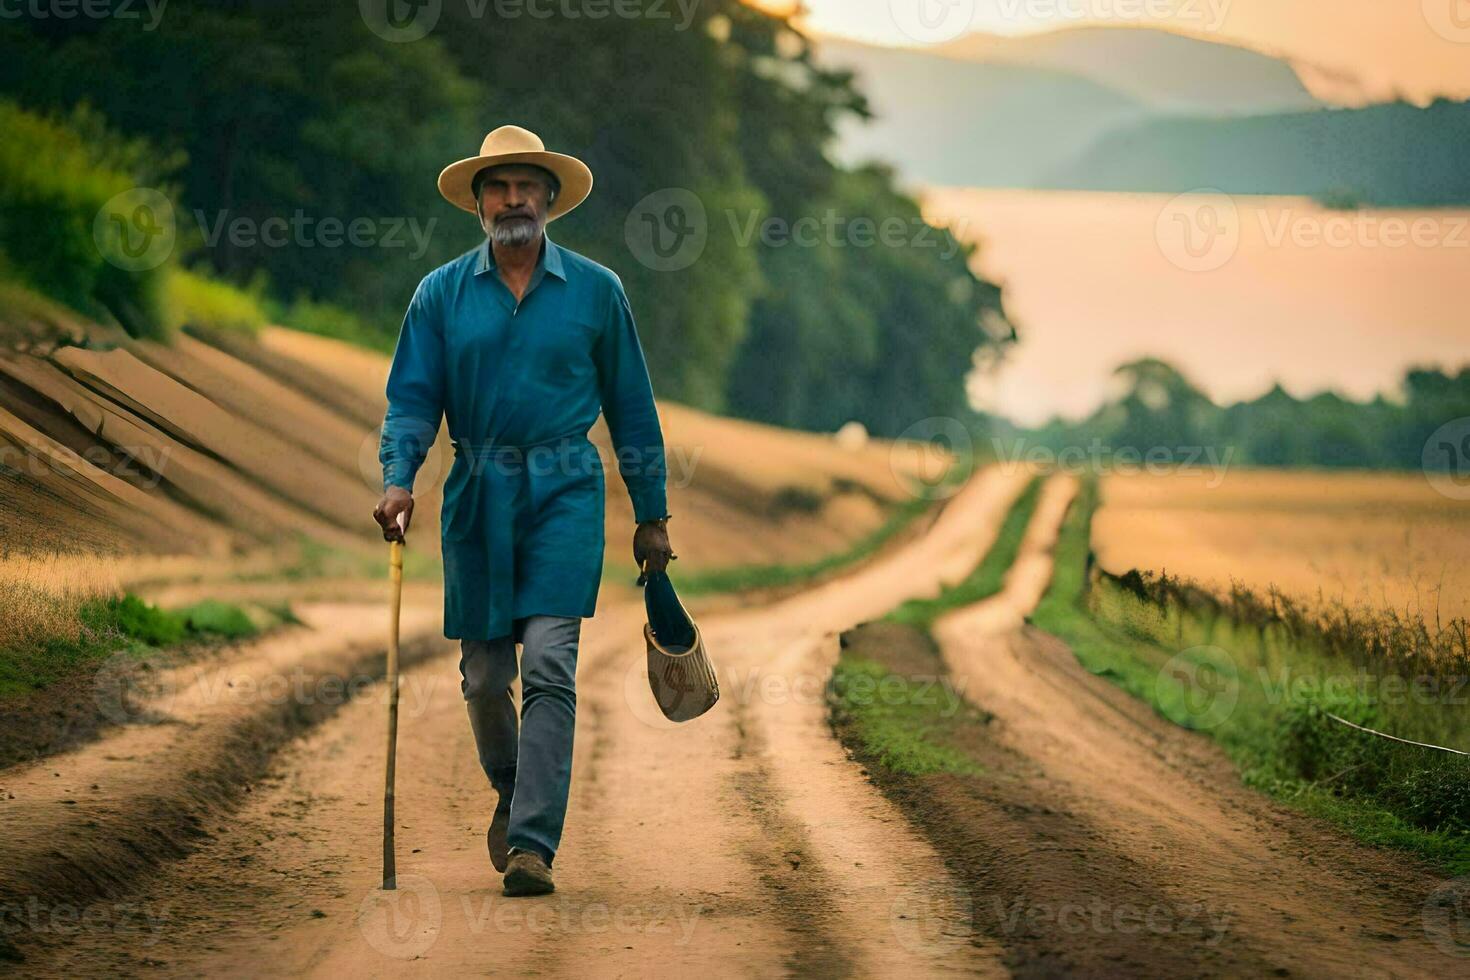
[890, 719]
[1261, 695]
[126, 624]
[988, 577]
[781, 574]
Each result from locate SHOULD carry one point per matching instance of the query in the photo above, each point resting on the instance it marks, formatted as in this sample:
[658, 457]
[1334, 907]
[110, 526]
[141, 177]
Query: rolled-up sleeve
[415, 391]
[632, 416]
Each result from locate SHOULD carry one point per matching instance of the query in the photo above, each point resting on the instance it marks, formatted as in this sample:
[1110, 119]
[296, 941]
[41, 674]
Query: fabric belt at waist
[480, 452]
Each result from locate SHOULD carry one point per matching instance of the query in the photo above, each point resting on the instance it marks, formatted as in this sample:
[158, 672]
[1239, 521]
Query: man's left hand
[651, 545]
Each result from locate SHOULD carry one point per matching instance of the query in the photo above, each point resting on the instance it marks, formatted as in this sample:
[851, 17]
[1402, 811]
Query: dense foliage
[302, 114]
[1162, 412]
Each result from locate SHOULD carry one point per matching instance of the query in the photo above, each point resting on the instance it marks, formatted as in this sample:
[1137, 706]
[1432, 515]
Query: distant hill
[953, 121]
[1138, 109]
[1161, 69]
[1386, 154]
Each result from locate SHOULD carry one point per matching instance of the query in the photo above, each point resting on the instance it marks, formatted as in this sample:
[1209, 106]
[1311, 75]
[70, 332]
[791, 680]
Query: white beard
[514, 233]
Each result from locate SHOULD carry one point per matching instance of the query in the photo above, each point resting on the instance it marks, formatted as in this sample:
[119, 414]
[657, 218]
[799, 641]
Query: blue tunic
[520, 386]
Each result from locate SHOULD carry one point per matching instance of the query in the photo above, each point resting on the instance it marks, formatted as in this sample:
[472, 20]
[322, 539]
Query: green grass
[988, 577]
[889, 718]
[779, 574]
[893, 722]
[1262, 693]
[329, 320]
[126, 624]
[191, 299]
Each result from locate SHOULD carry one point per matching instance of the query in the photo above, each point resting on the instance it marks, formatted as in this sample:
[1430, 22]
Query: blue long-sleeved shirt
[522, 381]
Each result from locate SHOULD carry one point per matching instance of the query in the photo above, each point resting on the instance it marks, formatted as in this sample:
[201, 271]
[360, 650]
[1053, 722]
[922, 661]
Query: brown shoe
[495, 840]
[527, 874]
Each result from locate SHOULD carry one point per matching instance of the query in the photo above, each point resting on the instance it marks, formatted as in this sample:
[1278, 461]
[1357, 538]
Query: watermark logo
[135, 230]
[87, 9]
[922, 454]
[667, 231]
[1450, 19]
[1198, 688]
[414, 439]
[404, 923]
[1205, 16]
[1084, 916]
[1446, 459]
[1446, 917]
[128, 689]
[400, 21]
[932, 918]
[1199, 231]
[932, 21]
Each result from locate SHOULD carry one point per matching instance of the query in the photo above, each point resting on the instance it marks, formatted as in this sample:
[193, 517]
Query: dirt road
[745, 842]
[1113, 841]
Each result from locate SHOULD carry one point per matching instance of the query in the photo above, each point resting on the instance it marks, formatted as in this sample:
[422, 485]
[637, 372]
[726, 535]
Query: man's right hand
[395, 501]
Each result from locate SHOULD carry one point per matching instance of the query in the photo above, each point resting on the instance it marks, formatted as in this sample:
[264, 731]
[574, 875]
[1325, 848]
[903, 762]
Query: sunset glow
[1350, 50]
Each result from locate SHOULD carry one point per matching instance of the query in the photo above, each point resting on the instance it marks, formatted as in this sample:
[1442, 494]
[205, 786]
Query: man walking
[518, 344]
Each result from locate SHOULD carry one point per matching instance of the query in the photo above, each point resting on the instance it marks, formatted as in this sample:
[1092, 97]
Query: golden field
[1363, 539]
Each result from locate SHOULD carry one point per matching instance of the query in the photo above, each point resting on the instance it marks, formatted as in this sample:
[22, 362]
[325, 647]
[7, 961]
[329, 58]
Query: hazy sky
[1419, 48]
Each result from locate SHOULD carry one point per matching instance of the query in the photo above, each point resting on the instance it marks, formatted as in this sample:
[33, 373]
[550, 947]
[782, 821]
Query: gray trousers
[528, 759]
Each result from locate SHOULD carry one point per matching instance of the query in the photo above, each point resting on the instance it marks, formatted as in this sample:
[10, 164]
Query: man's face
[514, 199]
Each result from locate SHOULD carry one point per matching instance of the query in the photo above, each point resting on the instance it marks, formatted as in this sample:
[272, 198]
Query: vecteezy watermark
[138, 230]
[150, 12]
[1098, 458]
[941, 695]
[1097, 917]
[400, 21]
[1199, 230]
[932, 918]
[302, 230]
[140, 922]
[406, 922]
[1446, 917]
[1361, 229]
[1446, 459]
[135, 230]
[668, 231]
[835, 230]
[1205, 16]
[129, 688]
[932, 21]
[1284, 683]
[1198, 688]
[922, 455]
[142, 466]
[1450, 19]
[403, 923]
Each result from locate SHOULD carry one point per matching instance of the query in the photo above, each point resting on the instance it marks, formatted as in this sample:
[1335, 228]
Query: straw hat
[512, 144]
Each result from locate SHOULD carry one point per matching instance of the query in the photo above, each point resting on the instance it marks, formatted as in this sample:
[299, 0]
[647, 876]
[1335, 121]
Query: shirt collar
[549, 260]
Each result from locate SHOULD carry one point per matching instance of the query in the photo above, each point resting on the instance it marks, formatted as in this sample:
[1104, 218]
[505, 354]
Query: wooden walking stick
[395, 566]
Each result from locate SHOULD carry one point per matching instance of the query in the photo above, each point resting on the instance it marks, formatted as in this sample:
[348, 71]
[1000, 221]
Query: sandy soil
[1113, 841]
[743, 842]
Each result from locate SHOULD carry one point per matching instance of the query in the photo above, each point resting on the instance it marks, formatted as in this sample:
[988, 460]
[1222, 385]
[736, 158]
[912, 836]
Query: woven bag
[679, 670]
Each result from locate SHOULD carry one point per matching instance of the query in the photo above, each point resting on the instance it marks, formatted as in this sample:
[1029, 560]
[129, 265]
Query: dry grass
[1349, 540]
[43, 594]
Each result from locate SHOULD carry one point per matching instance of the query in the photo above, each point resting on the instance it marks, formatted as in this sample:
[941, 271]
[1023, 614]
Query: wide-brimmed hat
[512, 144]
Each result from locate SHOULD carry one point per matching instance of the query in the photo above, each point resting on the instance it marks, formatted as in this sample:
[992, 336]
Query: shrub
[54, 183]
[195, 300]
